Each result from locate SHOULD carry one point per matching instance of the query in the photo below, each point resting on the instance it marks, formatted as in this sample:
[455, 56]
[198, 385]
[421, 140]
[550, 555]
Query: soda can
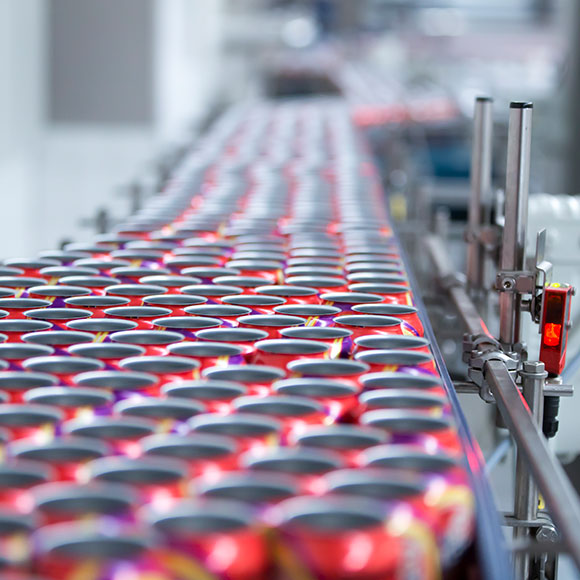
[155, 479]
[57, 295]
[62, 551]
[14, 330]
[209, 354]
[245, 338]
[140, 257]
[409, 315]
[307, 465]
[338, 339]
[66, 456]
[403, 399]
[346, 440]
[415, 427]
[249, 431]
[134, 292]
[346, 300]
[197, 529]
[279, 352]
[391, 360]
[186, 325]
[294, 413]
[96, 284]
[72, 401]
[20, 284]
[205, 454]
[175, 302]
[217, 396]
[17, 478]
[338, 398]
[16, 383]
[167, 368]
[364, 324]
[258, 303]
[168, 413]
[30, 266]
[212, 291]
[348, 371]
[153, 342]
[16, 542]
[61, 501]
[184, 264]
[63, 367]
[171, 283]
[22, 421]
[246, 283]
[121, 434]
[392, 341]
[143, 316]
[293, 294]
[93, 249]
[121, 384]
[391, 293]
[228, 313]
[448, 489]
[258, 489]
[95, 304]
[13, 354]
[313, 270]
[16, 307]
[132, 274]
[101, 328]
[102, 266]
[109, 353]
[315, 314]
[58, 317]
[322, 284]
[208, 273]
[270, 324]
[256, 378]
[399, 380]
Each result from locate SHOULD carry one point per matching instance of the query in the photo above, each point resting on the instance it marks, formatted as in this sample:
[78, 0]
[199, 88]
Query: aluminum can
[364, 324]
[72, 401]
[16, 307]
[391, 293]
[110, 354]
[409, 315]
[143, 316]
[391, 360]
[17, 478]
[258, 303]
[279, 352]
[23, 421]
[257, 378]
[398, 380]
[293, 294]
[96, 304]
[121, 384]
[245, 338]
[270, 324]
[167, 368]
[227, 313]
[14, 330]
[101, 328]
[175, 302]
[16, 383]
[63, 367]
[209, 354]
[339, 339]
[134, 292]
[216, 395]
[12, 355]
[346, 301]
[154, 342]
[186, 325]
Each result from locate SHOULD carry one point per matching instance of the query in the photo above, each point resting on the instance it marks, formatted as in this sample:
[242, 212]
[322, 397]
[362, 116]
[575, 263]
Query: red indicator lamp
[555, 325]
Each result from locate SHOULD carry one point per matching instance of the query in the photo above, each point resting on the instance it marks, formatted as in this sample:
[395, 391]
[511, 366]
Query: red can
[228, 313]
[409, 315]
[17, 383]
[122, 384]
[415, 427]
[338, 339]
[346, 440]
[121, 433]
[279, 352]
[186, 325]
[249, 431]
[392, 341]
[70, 501]
[143, 316]
[291, 293]
[199, 529]
[72, 401]
[175, 302]
[13, 354]
[322, 284]
[258, 303]
[270, 324]
[167, 368]
[212, 291]
[101, 328]
[391, 293]
[154, 342]
[398, 380]
[17, 478]
[348, 371]
[66, 456]
[208, 273]
[96, 284]
[345, 301]
[168, 413]
[338, 398]
[132, 274]
[58, 317]
[109, 353]
[22, 421]
[245, 338]
[403, 399]
[16, 307]
[217, 396]
[205, 454]
[364, 324]
[209, 354]
[389, 360]
[256, 378]
[63, 367]
[134, 292]
[14, 330]
[57, 295]
[96, 304]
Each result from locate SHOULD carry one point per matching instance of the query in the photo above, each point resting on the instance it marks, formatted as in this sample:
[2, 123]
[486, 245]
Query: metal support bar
[516, 216]
[481, 156]
[526, 492]
[549, 475]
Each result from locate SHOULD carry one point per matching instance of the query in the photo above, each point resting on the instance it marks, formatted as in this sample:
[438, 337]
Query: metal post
[480, 199]
[516, 217]
[526, 492]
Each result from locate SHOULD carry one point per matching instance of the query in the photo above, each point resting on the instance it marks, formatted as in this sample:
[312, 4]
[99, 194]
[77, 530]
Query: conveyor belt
[238, 383]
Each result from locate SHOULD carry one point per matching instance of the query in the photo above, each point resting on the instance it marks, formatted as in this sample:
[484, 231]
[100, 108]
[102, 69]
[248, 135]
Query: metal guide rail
[238, 382]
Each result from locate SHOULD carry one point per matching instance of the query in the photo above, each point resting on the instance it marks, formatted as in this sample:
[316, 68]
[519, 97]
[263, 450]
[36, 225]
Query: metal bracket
[477, 364]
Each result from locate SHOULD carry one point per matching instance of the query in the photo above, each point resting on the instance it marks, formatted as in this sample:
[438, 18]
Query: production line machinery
[240, 381]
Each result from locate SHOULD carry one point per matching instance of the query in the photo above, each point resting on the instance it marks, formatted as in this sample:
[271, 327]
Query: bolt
[533, 367]
[547, 534]
[508, 283]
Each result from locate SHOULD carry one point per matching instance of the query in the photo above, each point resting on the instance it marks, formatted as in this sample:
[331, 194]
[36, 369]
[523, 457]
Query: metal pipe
[481, 155]
[549, 475]
[526, 492]
[446, 276]
[516, 216]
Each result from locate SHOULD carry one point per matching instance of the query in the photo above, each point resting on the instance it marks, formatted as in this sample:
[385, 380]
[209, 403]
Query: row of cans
[235, 384]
